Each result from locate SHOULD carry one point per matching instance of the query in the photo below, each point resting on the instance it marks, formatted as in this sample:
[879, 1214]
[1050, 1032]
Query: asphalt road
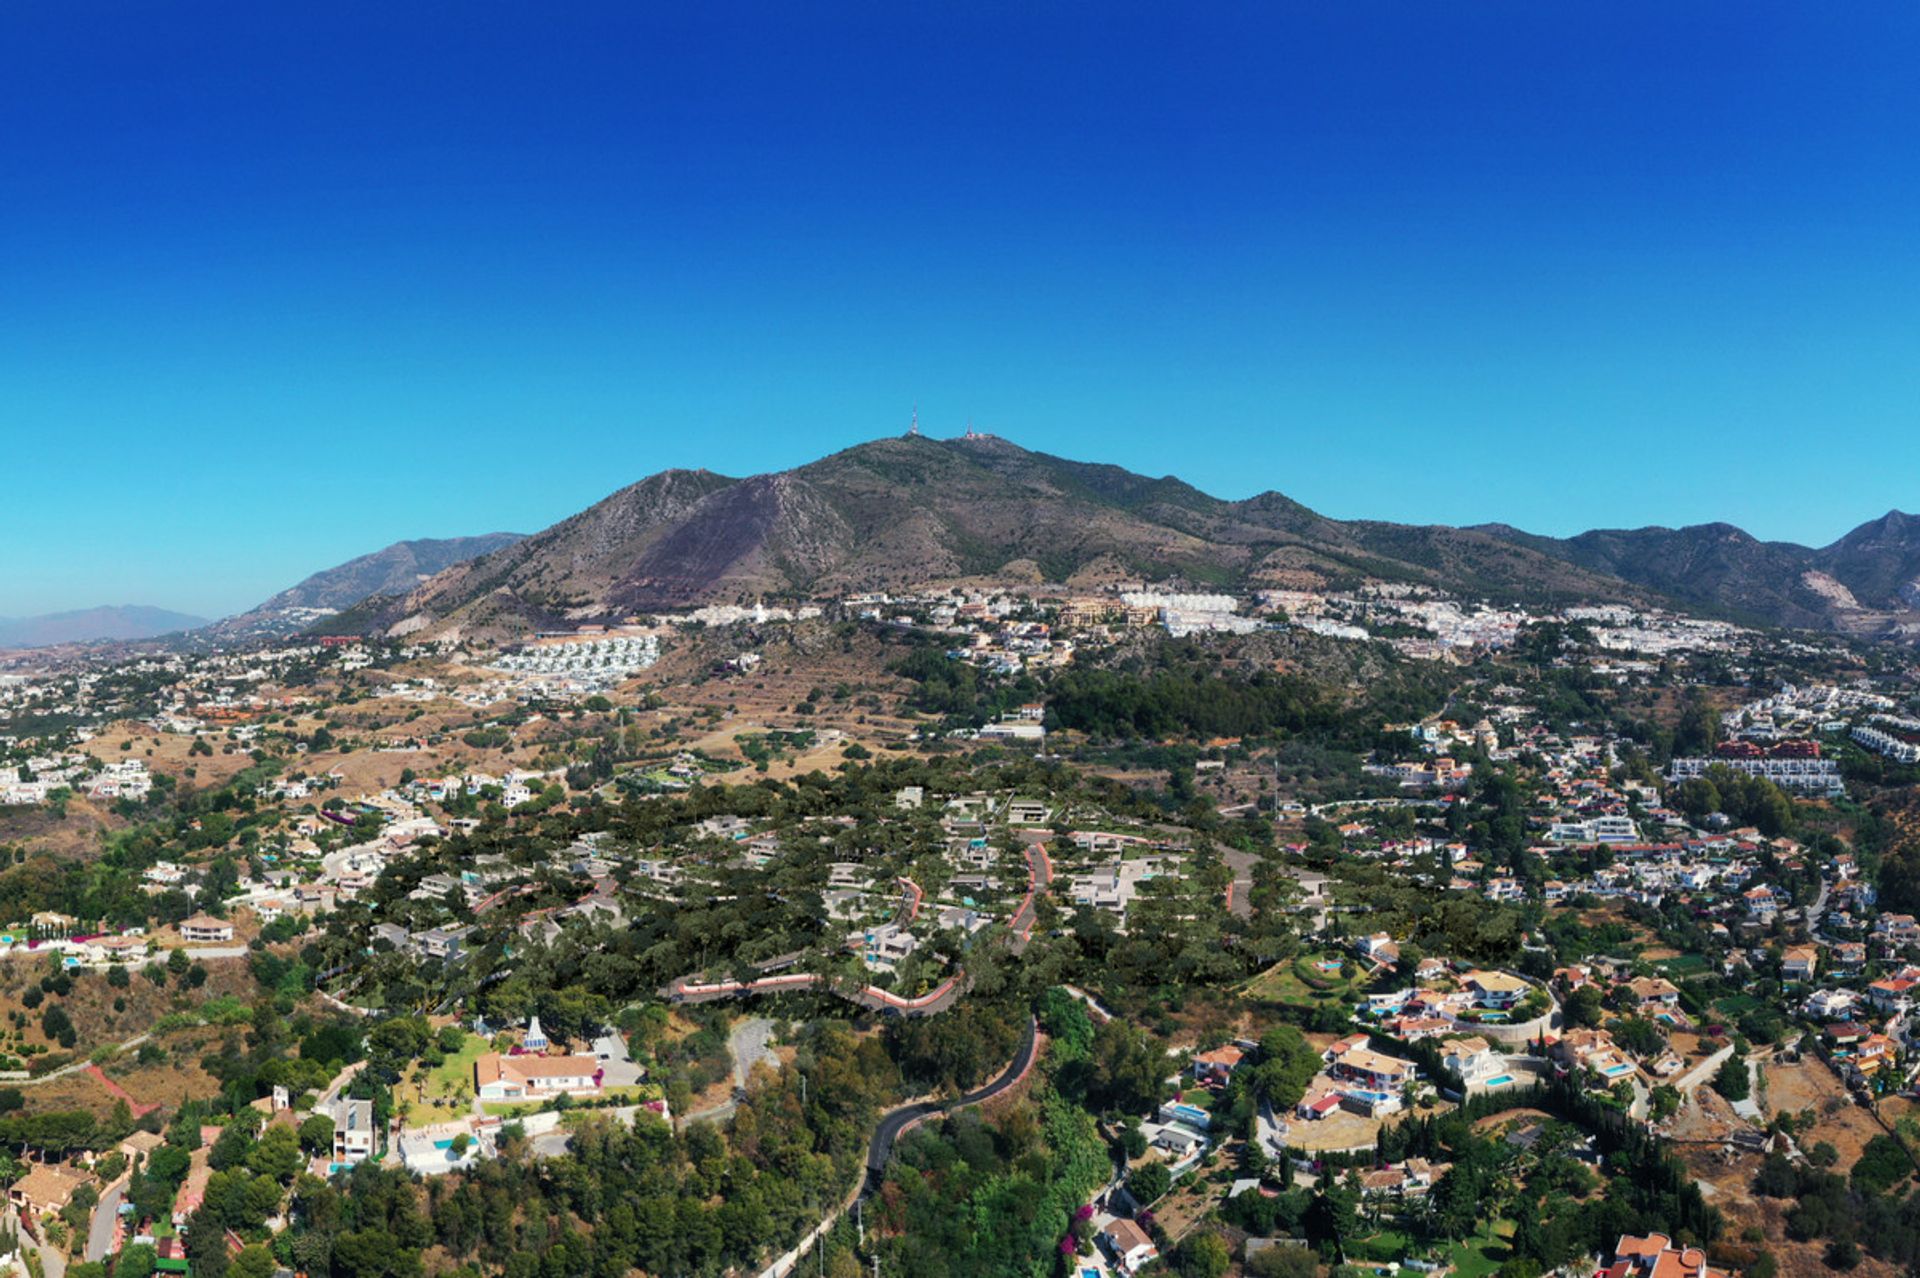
[100, 1235]
[880, 1148]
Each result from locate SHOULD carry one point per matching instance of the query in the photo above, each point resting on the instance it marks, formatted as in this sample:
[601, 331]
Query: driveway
[105, 1216]
[616, 1061]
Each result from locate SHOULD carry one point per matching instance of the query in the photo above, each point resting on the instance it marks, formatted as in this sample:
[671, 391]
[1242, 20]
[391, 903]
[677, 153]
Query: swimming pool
[1500, 1080]
[1615, 1071]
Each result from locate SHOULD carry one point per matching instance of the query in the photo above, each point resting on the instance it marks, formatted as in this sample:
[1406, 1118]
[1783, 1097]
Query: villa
[497, 1077]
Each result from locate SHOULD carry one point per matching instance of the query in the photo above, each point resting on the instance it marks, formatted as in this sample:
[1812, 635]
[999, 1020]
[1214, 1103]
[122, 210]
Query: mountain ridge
[92, 625]
[393, 569]
[909, 511]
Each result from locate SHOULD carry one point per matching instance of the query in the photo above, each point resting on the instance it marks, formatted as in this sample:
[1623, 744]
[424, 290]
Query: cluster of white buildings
[1185, 614]
[583, 664]
[1891, 736]
[1819, 777]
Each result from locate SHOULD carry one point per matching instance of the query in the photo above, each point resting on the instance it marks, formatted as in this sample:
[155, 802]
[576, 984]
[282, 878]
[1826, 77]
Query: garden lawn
[1282, 983]
[1482, 1254]
[446, 1092]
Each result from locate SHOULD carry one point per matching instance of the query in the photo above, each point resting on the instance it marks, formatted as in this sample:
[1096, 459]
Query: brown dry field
[167, 752]
[79, 836]
[1727, 1187]
[1511, 1117]
[91, 1008]
[166, 1083]
[1842, 1124]
[1707, 1117]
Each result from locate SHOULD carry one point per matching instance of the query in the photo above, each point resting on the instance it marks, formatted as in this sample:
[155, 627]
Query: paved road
[1240, 894]
[105, 1215]
[880, 1148]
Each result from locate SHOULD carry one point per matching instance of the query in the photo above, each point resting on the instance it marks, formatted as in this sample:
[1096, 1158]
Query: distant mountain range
[1867, 582]
[905, 512]
[88, 625]
[395, 570]
[908, 512]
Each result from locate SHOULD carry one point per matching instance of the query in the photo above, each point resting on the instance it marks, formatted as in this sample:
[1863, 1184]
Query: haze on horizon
[286, 286]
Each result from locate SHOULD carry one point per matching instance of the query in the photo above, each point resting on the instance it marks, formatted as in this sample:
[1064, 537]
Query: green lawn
[1388, 1244]
[1683, 965]
[1480, 1255]
[1282, 984]
[446, 1091]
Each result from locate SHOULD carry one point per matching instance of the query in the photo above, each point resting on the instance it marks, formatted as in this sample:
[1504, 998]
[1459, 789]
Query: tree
[1732, 1080]
[1333, 1218]
[1699, 728]
[316, 1134]
[253, 1261]
[1203, 1255]
[1129, 1068]
[1583, 1007]
[1283, 1262]
[1148, 1182]
[137, 1260]
[276, 1154]
[1287, 1065]
[230, 1149]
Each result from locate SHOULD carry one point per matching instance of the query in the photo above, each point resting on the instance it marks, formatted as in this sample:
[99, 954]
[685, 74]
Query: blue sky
[281, 284]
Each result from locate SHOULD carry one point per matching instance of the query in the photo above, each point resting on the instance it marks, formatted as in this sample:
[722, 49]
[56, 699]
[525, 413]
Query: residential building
[497, 1077]
[354, 1135]
[1129, 1246]
[45, 1189]
[204, 929]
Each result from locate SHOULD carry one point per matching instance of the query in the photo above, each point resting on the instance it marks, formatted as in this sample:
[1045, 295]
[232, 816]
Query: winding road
[897, 1122]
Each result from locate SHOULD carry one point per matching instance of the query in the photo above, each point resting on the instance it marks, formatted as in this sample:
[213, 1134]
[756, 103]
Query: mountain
[395, 570]
[1868, 582]
[1879, 562]
[908, 511]
[125, 621]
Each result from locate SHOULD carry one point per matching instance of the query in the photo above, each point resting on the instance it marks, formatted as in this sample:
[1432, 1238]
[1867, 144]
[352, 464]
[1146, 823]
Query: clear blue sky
[282, 283]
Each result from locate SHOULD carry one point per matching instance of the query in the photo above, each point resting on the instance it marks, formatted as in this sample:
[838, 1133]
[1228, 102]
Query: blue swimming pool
[1500, 1080]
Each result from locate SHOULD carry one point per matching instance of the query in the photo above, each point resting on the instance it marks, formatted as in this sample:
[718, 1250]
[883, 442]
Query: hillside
[394, 570]
[1868, 582]
[905, 512]
[89, 625]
